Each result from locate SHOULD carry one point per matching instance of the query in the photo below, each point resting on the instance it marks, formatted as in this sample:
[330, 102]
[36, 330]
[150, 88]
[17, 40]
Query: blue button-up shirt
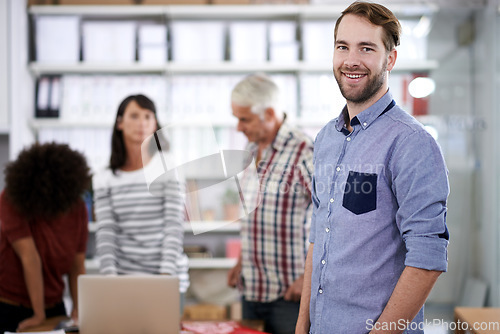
[379, 196]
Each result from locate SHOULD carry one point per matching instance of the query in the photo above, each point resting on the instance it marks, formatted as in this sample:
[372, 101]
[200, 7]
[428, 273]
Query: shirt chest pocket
[360, 192]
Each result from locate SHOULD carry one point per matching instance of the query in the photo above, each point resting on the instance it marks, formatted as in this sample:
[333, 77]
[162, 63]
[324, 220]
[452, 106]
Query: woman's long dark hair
[118, 150]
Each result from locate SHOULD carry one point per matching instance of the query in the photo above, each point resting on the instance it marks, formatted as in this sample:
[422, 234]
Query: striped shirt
[138, 232]
[275, 235]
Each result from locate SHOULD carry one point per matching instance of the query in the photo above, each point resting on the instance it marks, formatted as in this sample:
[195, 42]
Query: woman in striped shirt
[138, 232]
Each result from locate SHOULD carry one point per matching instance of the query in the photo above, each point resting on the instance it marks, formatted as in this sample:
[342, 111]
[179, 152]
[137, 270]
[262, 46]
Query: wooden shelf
[212, 226]
[206, 68]
[212, 263]
[101, 10]
[92, 265]
[328, 11]
[90, 68]
[41, 123]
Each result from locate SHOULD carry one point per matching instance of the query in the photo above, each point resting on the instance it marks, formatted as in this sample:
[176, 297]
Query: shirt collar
[367, 116]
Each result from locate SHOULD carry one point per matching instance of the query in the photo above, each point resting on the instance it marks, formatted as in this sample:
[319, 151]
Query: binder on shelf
[248, 41]
[87, 198]
[284, 53]
[198, 41]
[42, 97]
[47, 97]
[152, 43]
[317, 37]
[57, 39]
[282, 32]
[109, 42]
[283, 46]
[233, 248]
[55, 96]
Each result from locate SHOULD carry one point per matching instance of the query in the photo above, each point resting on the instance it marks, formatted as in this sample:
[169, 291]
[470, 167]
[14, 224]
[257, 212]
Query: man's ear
[391, 59]
[269, 114]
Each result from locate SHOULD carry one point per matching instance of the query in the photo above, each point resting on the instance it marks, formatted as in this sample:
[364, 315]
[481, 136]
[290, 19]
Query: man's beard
[370, 89]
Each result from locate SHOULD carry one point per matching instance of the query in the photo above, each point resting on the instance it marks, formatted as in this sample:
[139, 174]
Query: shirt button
[364, 124]
[331, 200]
[323, 261]
[348, 139]
[327, 229]
[338, 169]
[320, 291]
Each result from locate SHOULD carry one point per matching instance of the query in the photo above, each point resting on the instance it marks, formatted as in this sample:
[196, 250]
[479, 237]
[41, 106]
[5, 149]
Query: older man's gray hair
[259, 92]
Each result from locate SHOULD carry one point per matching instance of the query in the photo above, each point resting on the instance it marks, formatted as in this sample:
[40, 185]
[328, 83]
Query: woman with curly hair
[138, 232]
[43, 234]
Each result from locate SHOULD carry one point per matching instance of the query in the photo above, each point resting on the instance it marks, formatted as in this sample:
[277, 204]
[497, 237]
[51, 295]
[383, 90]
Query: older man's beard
[371, 88]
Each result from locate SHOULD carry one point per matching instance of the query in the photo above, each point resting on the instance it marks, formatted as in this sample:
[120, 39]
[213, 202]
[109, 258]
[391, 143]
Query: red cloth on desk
[216, 327]
[57, 242]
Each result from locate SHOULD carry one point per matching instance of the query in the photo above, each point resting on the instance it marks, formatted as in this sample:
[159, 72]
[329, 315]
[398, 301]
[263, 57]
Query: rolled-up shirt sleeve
[420, 185]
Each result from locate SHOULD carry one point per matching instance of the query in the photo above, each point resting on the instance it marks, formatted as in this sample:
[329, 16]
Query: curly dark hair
[46, 180]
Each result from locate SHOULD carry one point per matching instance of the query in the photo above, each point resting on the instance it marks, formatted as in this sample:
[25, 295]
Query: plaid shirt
[275, 235]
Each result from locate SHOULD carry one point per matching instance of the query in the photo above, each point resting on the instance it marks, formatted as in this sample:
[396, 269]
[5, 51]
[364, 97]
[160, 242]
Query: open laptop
[129, 304]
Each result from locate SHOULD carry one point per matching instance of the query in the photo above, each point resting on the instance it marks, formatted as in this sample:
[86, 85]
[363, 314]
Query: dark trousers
[12, 315]
[279, 316]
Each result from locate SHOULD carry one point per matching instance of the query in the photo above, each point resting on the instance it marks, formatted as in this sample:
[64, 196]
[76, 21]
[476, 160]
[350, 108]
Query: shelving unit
[215, 227]
[300, 14]
[170, 69]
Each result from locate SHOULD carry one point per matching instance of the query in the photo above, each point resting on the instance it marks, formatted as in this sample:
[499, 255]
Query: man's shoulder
[297, 136]
[410, 134]
[406, 122]
[299, 143]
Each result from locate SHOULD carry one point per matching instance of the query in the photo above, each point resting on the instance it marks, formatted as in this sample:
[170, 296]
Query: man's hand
[408, 297]
[233, 276]
[35, 320]
[294, 291]
[303, 324]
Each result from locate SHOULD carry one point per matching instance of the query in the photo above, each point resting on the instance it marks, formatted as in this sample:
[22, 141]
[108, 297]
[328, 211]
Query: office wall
[486, 86]
[20, 92]
[4, 157]
[450, 107]
[4, 90]
[4, 69]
